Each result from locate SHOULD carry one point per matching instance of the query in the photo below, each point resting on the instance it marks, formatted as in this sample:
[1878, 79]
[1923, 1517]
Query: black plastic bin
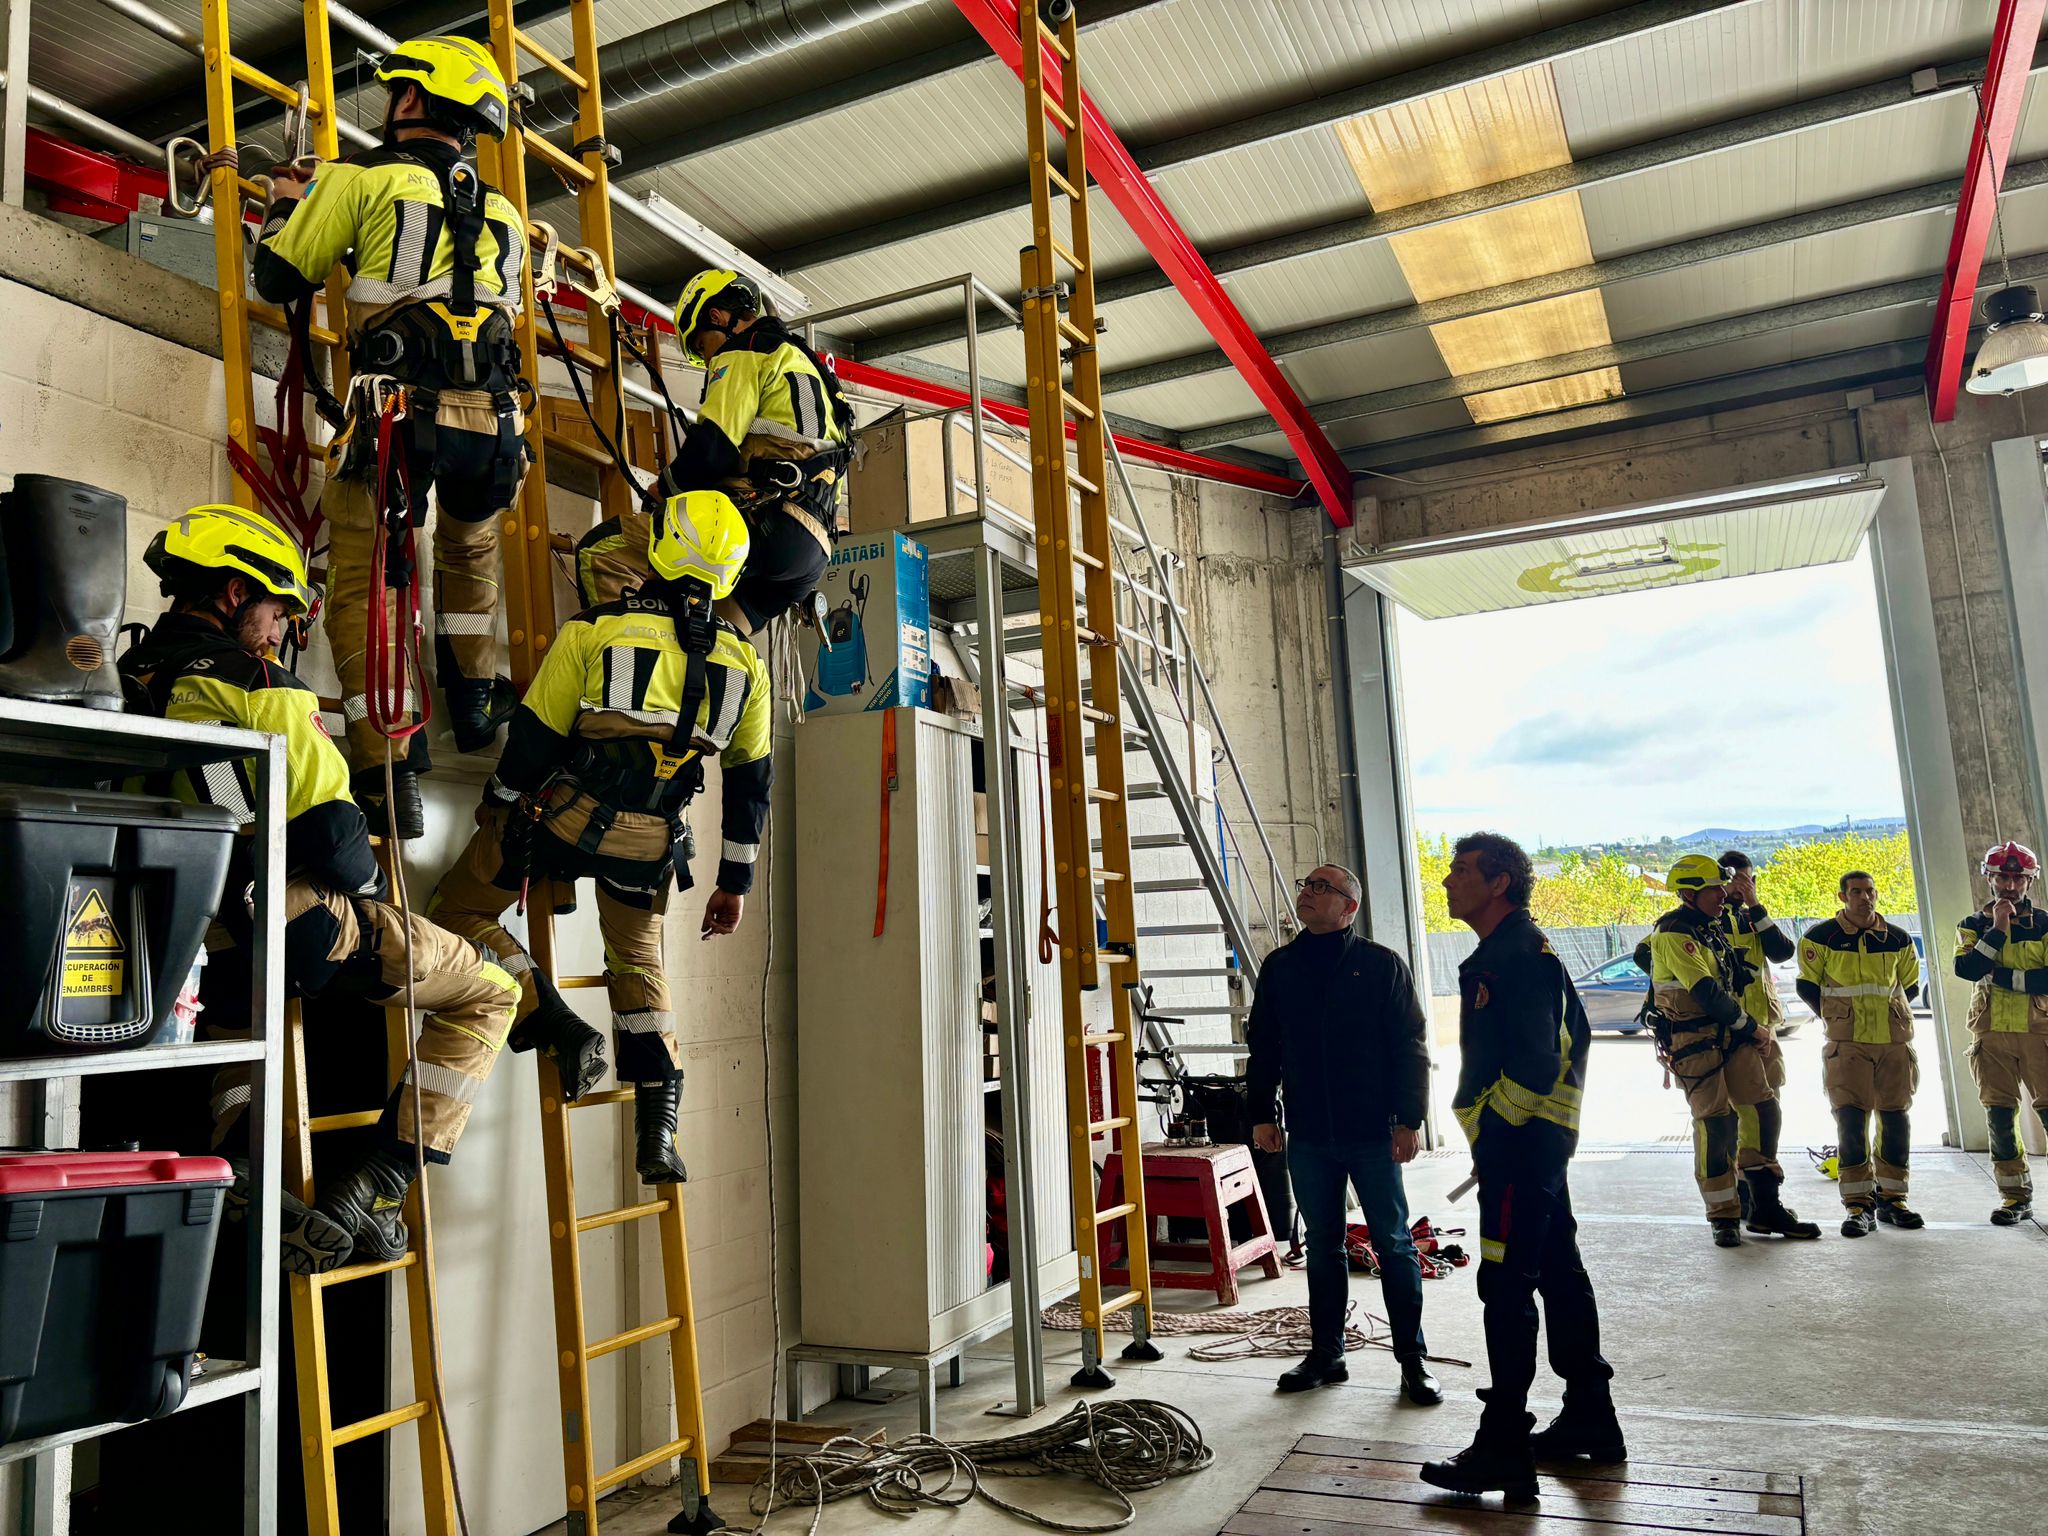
[104, 1259]
[104, 902]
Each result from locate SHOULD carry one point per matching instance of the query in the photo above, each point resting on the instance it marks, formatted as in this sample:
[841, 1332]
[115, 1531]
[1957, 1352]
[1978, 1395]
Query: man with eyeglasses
[1337, 1029]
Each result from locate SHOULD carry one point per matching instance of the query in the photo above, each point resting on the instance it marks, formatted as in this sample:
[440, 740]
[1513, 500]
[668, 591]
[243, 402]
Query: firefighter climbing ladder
[319, 1435]
[1067, 627]
[530, 614]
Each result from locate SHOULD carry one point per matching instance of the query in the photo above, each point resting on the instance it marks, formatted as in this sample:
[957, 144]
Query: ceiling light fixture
[2014, 353]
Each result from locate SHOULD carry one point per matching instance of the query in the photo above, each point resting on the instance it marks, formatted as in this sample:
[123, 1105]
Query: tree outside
[1799, 880]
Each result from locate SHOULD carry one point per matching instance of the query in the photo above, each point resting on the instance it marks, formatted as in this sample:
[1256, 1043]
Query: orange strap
[888, 789]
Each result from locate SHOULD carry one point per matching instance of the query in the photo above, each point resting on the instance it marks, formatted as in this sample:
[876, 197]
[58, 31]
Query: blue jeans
[1319, 1172]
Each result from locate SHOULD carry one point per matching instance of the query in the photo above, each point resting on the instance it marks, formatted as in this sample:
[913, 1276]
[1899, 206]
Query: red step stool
[1204, 1183]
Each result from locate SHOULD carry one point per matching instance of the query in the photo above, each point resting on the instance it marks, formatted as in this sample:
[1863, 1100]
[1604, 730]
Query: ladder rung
[1114, 1123]
[350, 1272]
[1074, 333]
[631, 1337]
[580, 981]
[1082, 483]
[276, 90]
[272, 316]
[1079, 407]
[623, 1214]
[1111, 957]
[609, 1096]
[1117, 1304]
[1082, 557]
[1057, 112]
[597, 458]
[1108, 875]
[1107, 1037]
[377, 1424]
[1191, 972]
[575, 170]
[1159, 887]
[626, 1472]
[541, 56]
[1052, 40]
[1068, 256]
[1235, 1010]
[1155, 840]
[1176, 930]
[1089, 636]
[1115, 1213]
[1104, 796]
[351, 1122]
[1052, 174]
[1099, 716]
[581, 354]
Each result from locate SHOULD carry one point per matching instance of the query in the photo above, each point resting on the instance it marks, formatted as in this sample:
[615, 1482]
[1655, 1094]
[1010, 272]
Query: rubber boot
[1582, 1428]
[654, 1126]
[477, 709]
[367, 788]
[1768, 1214]
[562, 1035]
[2013, 1212]
[309, 1242]
[1492, 1463]
[67, 559]
[369, 1202]
[1894, 1213]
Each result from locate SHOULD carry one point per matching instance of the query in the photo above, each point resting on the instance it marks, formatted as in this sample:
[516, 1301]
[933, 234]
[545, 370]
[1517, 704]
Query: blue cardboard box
[874, 651]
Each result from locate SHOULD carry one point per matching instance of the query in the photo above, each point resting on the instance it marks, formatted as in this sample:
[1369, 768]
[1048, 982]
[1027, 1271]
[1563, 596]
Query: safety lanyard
[392, 661]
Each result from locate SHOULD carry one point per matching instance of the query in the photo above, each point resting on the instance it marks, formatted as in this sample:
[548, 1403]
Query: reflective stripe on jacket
[1865, 980]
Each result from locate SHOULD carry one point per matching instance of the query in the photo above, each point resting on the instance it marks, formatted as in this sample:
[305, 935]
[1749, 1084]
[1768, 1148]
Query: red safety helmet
[2011, 859]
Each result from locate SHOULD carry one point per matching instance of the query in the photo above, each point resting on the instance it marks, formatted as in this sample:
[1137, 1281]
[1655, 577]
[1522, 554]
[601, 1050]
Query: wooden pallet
[1336, 1486]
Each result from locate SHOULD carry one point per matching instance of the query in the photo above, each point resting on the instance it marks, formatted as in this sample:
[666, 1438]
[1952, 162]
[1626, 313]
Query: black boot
[561, 1034]
[1893, 1213]
[1727, 1233]
[1768, 1214]
[1582, 1428]
[654, 1124]
[410, 820]
[1318, 1370]
[1492, 1463]
[67, 575]
[1858, 1222]
[309, 1242]
[477, 709]
[369, 1202]
[2016, 1210]
[1418, 1384]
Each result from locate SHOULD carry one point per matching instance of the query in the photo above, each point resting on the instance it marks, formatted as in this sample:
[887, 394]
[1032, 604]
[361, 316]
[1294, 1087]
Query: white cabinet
[891, 1102]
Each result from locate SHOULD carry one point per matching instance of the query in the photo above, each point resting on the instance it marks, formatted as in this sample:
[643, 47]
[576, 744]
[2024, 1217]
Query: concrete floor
[1898, 1373]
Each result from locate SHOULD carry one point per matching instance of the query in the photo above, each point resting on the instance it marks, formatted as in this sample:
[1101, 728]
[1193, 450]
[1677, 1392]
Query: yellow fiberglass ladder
[319, 1436]
[530, 616]
[1064, 383]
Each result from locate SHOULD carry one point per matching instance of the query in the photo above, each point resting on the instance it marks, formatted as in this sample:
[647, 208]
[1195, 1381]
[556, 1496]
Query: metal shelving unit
[77, 748]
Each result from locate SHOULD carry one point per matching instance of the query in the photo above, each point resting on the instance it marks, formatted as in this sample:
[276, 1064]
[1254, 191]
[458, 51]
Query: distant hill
[1805, 829]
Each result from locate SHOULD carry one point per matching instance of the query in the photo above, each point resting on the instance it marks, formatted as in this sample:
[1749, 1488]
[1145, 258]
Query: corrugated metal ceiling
[1181, 66]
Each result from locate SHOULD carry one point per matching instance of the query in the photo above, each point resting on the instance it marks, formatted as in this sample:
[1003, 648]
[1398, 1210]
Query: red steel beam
[1134, 196]
[1999, 100]
[907, 386]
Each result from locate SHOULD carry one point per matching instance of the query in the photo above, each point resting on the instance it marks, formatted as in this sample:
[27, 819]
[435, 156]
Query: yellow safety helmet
[740, 296]
[226, 539]
[699, 536]
[458, 73]
[1695, 872]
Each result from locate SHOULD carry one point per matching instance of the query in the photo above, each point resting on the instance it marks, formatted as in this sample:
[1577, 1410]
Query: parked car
[1613, 993]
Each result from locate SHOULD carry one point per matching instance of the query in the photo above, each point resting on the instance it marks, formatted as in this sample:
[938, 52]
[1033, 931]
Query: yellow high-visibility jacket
[2010, 969]
[1860, 983]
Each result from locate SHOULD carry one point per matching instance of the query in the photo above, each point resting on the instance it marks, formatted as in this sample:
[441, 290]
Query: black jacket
[1336, 1025]
[1522, 1031]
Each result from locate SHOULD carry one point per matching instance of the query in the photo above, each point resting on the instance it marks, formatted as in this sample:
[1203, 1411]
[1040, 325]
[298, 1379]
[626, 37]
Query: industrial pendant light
[2014, 352]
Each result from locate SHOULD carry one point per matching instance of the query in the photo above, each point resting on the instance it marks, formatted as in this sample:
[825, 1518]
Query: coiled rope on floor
[1123, 1447]
[1276, 1332]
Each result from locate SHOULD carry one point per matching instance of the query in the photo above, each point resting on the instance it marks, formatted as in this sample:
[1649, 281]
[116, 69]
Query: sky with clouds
[1753, 704]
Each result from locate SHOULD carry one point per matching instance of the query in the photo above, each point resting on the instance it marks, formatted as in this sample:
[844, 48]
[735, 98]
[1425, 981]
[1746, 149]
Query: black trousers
[1528, 1242]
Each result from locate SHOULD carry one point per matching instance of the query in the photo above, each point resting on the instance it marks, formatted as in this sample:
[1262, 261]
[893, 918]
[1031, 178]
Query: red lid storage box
[104, 1258]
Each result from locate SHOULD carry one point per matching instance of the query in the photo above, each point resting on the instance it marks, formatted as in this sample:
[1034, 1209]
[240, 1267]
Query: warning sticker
[94, 953]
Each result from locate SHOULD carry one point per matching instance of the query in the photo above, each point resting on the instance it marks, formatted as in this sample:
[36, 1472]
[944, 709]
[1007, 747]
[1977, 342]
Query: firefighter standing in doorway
[1761, 943]
[773, 433]
[235, 580]
[1714, 1048]
[2003, 949]
[1860, 974]
[603, 757]
[435, 259]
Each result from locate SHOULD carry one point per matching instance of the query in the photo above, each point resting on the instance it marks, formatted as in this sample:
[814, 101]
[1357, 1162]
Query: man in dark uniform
[1523, 1036]
[1336, 1022]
